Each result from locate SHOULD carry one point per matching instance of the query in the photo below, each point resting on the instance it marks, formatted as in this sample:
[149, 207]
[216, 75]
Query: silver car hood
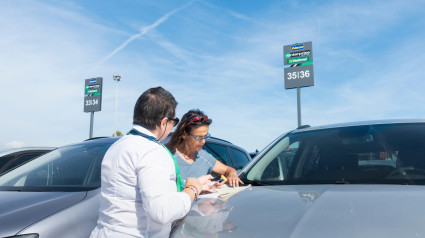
[311, 211]
[21, 209]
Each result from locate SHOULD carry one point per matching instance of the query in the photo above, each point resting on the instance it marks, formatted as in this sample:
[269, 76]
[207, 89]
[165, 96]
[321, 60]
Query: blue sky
[224, 57]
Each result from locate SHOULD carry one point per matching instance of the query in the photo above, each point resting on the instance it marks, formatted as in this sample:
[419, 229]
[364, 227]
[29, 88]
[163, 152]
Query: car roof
[224, 142]
[99, 140]
[359, 123]
[7, 151]
[304, 128]
[214, 140]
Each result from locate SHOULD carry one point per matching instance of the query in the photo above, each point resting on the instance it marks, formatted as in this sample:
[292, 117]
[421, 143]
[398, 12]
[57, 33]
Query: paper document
[226, 191]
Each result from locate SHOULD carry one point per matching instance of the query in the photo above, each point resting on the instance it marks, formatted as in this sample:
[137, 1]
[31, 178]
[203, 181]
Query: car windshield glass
[70, 168]
[373, 154]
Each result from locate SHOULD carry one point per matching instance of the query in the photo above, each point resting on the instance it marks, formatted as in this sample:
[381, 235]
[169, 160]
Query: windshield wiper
[342, 181]
[22, 190]
[255, 182]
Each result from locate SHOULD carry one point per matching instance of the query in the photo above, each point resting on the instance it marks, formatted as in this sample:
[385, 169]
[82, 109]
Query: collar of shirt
[143, 130]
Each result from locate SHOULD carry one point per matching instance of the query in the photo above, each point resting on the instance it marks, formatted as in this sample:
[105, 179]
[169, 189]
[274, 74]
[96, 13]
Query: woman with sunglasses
[186, 145]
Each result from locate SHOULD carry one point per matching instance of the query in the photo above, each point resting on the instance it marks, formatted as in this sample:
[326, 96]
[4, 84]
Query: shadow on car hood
[21, 209]
[310, 211]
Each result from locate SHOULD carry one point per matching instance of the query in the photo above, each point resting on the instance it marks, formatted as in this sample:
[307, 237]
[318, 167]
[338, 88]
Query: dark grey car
[364, 179]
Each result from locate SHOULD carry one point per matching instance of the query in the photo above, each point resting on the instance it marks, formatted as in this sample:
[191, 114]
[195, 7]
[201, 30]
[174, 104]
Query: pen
[223, 178]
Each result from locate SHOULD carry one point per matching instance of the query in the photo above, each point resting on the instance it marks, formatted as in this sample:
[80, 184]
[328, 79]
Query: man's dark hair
[153, 105]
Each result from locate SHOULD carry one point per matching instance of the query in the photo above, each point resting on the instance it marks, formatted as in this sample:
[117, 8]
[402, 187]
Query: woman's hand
[229, 172]
[232, 177]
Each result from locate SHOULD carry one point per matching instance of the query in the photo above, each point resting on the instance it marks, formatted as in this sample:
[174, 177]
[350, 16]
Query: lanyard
[179, 181]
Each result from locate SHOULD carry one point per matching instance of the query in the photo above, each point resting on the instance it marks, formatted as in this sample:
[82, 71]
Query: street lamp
[117, 78]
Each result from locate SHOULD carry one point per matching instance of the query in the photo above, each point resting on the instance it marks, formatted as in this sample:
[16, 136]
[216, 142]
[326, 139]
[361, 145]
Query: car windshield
[69, 168]
[372, 154]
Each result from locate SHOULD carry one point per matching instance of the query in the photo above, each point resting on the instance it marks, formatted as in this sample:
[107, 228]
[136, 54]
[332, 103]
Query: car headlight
[24, 236]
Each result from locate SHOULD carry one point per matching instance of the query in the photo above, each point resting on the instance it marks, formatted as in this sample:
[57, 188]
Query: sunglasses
[200, 138]
[197, 120]
[175, 121]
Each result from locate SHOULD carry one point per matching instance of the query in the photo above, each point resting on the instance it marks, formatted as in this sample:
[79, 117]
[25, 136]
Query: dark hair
[181, 128]
[152, 106]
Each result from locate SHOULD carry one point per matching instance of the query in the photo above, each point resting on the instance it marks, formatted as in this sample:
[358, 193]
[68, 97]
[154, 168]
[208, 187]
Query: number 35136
[298, 74]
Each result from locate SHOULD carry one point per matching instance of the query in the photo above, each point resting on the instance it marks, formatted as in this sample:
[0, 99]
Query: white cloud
[142, 32]
[15, 144]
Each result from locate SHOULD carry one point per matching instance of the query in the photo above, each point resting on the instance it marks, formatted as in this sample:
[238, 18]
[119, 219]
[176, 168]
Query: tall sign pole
[298, 68]
[116, 78]
[92, 99]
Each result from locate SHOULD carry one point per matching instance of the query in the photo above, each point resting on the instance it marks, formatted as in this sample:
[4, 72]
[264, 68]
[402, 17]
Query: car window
[240, 158]
[362, 154]
[20, 160]
[220, 152]
[76, 166]
[269, 167]
[278, 169]
[4, 160]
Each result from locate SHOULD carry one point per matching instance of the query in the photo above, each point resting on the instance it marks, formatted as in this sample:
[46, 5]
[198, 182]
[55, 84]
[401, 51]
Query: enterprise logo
[92, 81]
[92, 86]
[297, 47]
[297, 54]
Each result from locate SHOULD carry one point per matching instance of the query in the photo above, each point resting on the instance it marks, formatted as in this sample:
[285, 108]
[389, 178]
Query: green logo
[288, 55]
[89, 91]
[298, 60]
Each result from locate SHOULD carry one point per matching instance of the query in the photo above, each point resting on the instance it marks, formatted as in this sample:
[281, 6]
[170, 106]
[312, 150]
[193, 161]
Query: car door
[220, 152]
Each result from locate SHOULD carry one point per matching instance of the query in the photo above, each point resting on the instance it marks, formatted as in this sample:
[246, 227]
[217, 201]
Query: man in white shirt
[141, 194]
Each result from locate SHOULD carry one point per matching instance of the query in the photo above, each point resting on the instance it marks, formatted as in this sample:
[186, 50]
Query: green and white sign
[298, 63]
[298, 60]
[93, 95]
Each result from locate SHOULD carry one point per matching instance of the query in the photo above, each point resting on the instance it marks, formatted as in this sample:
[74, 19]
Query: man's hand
[205, 182]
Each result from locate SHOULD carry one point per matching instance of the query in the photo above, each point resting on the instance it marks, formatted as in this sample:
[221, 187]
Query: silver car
[55, 195]
[362, 179]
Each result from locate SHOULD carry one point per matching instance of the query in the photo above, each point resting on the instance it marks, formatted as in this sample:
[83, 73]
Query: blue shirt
[203, 164]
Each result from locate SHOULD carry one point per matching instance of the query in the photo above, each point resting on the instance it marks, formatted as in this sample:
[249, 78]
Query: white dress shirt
[139, 196]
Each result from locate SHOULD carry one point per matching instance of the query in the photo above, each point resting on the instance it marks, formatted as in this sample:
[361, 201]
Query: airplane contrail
[142, 32]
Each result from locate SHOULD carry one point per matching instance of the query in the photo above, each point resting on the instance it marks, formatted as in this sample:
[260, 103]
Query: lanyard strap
[138, 133]
[179, 181]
